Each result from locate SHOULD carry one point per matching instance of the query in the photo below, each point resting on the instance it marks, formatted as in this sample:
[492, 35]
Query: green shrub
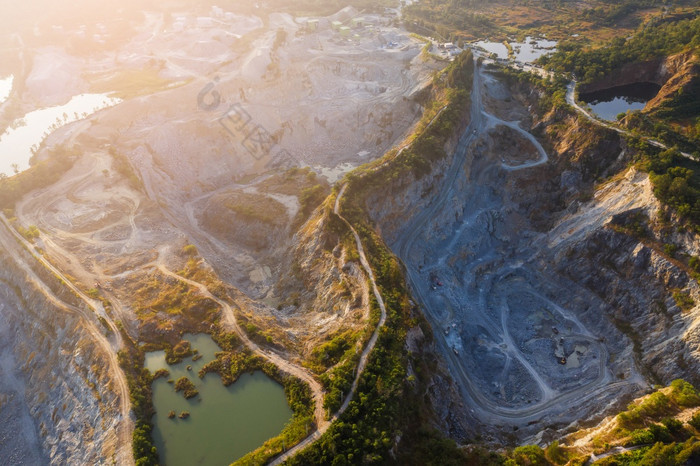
[641, 437]
[655, 405]
[178, 352]
[190, 250]
[690, 452]
[660, 454]
[556, 453]
[29, 233]
[684, 394]
[683, 300]
[671, 249]
[186, 386]
[694, 263]
[144, 451]
[529, 455]
[161, 373]
[660, 433]
[673, 425]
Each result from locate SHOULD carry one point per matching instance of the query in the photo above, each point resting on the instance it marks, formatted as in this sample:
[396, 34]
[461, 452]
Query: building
[345, 31]
[312, 24]
[336, 25]
[358, 22]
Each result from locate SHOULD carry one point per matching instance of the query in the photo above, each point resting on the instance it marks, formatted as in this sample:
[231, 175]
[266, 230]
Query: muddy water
[532, 49]
[608, 103]
[225, 423]
[498, 48]
[28, 132]
[526, 52]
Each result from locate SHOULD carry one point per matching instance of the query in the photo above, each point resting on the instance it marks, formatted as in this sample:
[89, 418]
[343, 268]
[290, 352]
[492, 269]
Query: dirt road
[479, 304]
[364, 357]
[319, 414]
[11, 241]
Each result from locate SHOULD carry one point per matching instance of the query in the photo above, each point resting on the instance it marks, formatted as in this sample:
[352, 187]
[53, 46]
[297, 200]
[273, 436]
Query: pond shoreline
[220, 423]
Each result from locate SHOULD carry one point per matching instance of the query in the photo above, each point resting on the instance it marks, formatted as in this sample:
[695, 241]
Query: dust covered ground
[215, 104]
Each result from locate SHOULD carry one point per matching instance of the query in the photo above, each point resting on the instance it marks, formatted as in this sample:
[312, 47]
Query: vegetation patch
[186, 386]
[683, 300]
[195, 270]
[652, 421]
[590, 64]
[365, 432]
[160, 299]
[235, 360]
[129, 83]
[302, 182]
[40, 174]
[139, 379]
[334, 349]
[676, 180]
[161, 374]
[258, 207]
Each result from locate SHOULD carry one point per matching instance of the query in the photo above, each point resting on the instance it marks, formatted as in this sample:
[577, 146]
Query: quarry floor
[505, 323]
[504, 320]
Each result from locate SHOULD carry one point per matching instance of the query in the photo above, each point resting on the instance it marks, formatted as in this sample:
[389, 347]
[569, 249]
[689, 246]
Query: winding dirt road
[319, 414]
[279, 361]
[364, 357]
[11, 241]
[493, 319]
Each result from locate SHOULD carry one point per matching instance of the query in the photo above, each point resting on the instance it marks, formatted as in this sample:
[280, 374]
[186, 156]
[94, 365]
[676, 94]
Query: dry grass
[291, 182]
[259, 207]
[159, 293]
[195, 270]
[563, 21]
[129, 83]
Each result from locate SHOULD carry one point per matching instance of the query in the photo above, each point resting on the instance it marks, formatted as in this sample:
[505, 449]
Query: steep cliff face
[326, 294]
[545, 231]
[659, 71]
[678, 74]
[394, 204]
[638, 284]
[55, 390]
[633, 276]
[679, 78]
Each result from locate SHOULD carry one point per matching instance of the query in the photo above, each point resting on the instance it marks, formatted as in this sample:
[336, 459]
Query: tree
[556, 454]
[529, 455]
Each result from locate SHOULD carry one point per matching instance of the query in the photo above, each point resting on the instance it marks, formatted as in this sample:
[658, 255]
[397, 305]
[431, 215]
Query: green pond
[225, 423]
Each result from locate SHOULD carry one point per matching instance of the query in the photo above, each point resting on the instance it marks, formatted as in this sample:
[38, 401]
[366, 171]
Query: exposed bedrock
[544, 315]
[57, 405]
[675, 74]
